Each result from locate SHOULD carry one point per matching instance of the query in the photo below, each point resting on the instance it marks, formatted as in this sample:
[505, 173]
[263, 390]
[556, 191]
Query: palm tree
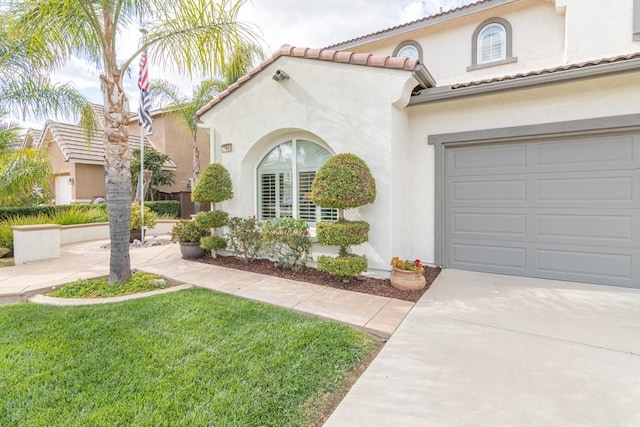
[25, 89]
[169, 96]
[186, 35]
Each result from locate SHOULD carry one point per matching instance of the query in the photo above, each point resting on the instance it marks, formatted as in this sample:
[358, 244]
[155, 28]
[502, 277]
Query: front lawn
[193, 357]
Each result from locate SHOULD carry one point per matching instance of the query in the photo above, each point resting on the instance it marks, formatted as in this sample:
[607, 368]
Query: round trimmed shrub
[214, 185]
[213, 243]
[213, 219]
[342, 233]
[344, 267]
[344, 181]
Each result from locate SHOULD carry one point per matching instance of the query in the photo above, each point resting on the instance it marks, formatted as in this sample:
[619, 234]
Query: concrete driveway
[493, 350]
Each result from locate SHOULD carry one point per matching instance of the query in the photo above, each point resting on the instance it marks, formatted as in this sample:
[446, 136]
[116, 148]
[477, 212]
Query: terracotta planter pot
[191, 250]
[407, 280]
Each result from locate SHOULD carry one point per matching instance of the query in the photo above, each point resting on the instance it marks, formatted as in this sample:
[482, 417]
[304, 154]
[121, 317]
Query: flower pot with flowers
[407, 275]
[188, 233]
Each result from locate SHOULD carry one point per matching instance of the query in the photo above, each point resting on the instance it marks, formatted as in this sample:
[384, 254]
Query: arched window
[492, 44]
[409, 49]
[285, 175]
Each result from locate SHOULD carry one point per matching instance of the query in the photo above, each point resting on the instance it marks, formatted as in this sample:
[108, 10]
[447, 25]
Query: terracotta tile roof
[411, 23]
[74, 145]
[584, 64]
[363, 59]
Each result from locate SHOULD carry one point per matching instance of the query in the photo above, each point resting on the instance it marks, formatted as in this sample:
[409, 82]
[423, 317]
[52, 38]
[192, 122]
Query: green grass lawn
[193, 357]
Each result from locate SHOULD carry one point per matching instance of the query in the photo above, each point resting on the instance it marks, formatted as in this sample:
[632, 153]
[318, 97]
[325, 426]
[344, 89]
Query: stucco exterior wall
[447, 46]
[89, 183]
[546, 34]
[598, 29]
[344, 108]
[58, 164]
[600, 97]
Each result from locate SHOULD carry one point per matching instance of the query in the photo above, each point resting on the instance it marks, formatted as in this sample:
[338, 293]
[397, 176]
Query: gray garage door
[565, 209]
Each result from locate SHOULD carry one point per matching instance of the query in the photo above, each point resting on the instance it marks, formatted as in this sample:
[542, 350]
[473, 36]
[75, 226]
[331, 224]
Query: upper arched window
[285, 175]
[492, 44]
[409, 49]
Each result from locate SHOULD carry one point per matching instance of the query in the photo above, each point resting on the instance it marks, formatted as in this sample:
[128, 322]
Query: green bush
[165, 208]
[287, 241]
[244, 238]
[150, 217]
[214, 185]
[188, 231]
[343, 267]
[342, 233]
[344, 181]
[213, 219]
[213, 244]
[18, 211]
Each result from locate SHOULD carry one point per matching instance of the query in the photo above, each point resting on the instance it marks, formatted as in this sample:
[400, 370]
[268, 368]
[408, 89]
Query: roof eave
[422, 23]
[445, 93]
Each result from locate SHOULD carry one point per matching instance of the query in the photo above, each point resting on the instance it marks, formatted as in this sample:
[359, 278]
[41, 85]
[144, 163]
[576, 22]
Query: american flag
[144, 109]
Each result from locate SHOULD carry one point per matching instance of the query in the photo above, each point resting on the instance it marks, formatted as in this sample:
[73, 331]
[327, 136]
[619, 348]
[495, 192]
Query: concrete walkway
[489, 350]
[377, 315]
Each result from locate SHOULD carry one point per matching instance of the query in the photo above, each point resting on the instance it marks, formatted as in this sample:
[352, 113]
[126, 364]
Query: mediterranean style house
[504, 137]
[78, 164]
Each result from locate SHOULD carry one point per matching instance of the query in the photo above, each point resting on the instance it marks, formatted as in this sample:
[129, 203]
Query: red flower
[417, 262]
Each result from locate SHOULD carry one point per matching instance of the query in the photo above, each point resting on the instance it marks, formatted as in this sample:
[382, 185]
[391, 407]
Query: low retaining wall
[37, 242]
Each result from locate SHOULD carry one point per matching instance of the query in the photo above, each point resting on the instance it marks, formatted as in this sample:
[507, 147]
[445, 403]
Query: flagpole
[141, 183]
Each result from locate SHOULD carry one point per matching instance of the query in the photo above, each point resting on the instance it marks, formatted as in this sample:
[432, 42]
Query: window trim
[408, 43]
[509, 58]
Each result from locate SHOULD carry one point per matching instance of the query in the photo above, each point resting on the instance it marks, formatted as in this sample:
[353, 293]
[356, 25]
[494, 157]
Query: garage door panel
[500, 256]
[494, 224]
[465, 161]
[609, 266]
[595, 154]
[489, 191]
[570, 212]
[585, 189]
[603, 228]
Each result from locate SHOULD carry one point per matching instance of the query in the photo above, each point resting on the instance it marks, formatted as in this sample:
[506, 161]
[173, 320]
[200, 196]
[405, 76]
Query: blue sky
[307, 23]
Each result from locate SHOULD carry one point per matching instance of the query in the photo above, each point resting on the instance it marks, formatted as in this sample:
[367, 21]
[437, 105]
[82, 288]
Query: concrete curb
[46, 300]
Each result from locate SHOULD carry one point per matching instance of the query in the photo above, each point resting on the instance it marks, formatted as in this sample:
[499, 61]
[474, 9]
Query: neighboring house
[78, 164]
[506, 140]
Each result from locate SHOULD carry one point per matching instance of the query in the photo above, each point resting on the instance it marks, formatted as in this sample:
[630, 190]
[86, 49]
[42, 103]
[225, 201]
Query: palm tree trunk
[118, 176]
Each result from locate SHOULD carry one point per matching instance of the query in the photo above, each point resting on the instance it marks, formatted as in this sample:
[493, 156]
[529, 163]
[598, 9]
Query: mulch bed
[363, 284]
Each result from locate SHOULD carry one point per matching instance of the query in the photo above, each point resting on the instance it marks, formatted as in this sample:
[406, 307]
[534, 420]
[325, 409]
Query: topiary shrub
[343, 267]
[343, 182]
[287, 241]
[213, 219]
[342, 233]
[213, 186]
[213, 244]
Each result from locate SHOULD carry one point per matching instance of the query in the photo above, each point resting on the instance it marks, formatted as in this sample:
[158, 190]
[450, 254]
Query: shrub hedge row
[163, 207]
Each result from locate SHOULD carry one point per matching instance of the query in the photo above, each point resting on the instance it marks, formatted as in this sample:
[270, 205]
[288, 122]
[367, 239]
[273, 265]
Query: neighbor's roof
[423, 22]
[364, 59]
[30, 139]
[73, 143]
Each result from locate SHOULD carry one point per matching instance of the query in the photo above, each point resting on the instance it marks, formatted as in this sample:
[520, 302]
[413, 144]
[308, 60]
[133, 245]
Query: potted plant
[149, 221]
[407, 275]
[188, 234]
